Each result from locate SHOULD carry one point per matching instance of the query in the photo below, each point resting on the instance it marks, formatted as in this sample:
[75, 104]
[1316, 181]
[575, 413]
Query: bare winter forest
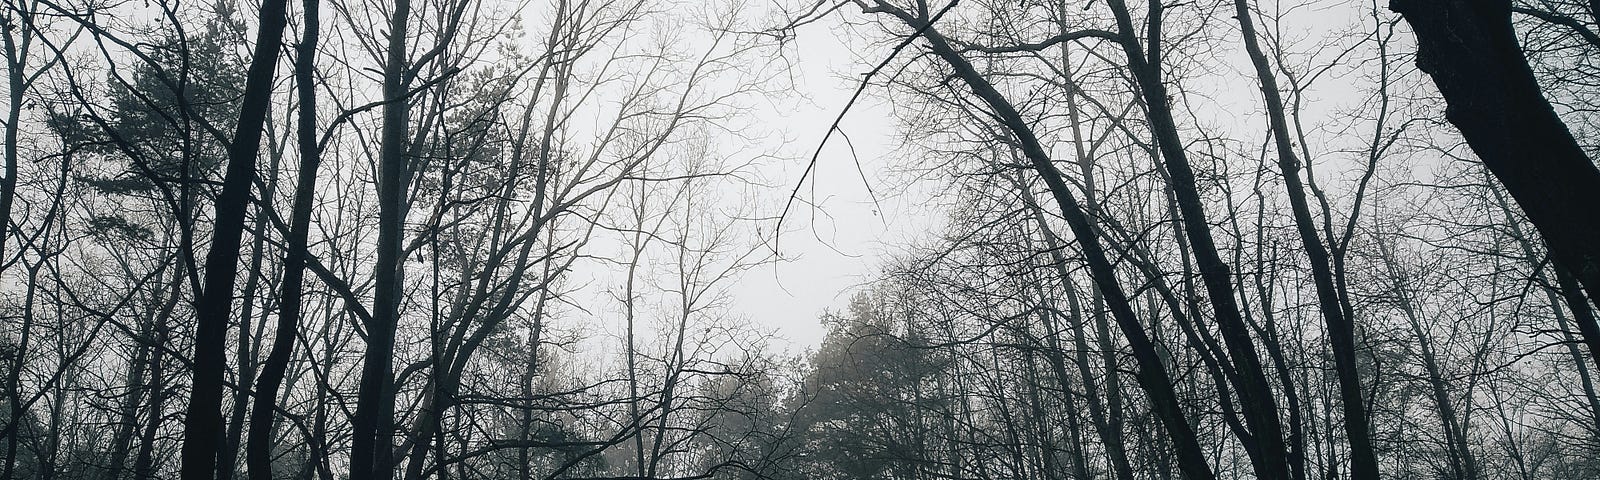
[800, 239]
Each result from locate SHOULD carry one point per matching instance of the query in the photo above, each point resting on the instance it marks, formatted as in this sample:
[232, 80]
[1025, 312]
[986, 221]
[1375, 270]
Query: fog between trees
[475, 239]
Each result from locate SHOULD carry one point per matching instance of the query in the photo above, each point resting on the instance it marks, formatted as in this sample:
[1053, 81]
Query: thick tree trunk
[202, 425]
[248, 345]
[16, 59]
[1470, 50]
[1562, 294]
[258, 449]
[372, 447]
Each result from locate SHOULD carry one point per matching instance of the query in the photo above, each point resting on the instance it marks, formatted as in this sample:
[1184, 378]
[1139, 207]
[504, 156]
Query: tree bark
[371, 454]
[258, 448]
[16, 52]
[1470, 50]
[202, 425]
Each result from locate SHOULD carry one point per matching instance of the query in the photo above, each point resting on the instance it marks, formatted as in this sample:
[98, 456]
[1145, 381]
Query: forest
[574, 239]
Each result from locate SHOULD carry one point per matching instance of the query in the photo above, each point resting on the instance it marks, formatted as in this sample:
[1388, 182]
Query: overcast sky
[837, 246]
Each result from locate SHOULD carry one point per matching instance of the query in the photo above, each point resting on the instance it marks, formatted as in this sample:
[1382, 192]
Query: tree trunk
[228, 453]
[372, 447]
[1470, 50]
[1152, 375]
[258, 450]
[1265, 443]
[1341, 329]
[1561, 294]
[143, 463]
[16, 59]
[202, 425]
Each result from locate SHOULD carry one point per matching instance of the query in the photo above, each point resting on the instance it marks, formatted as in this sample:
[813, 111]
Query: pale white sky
[838, 245]
[835, 237]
